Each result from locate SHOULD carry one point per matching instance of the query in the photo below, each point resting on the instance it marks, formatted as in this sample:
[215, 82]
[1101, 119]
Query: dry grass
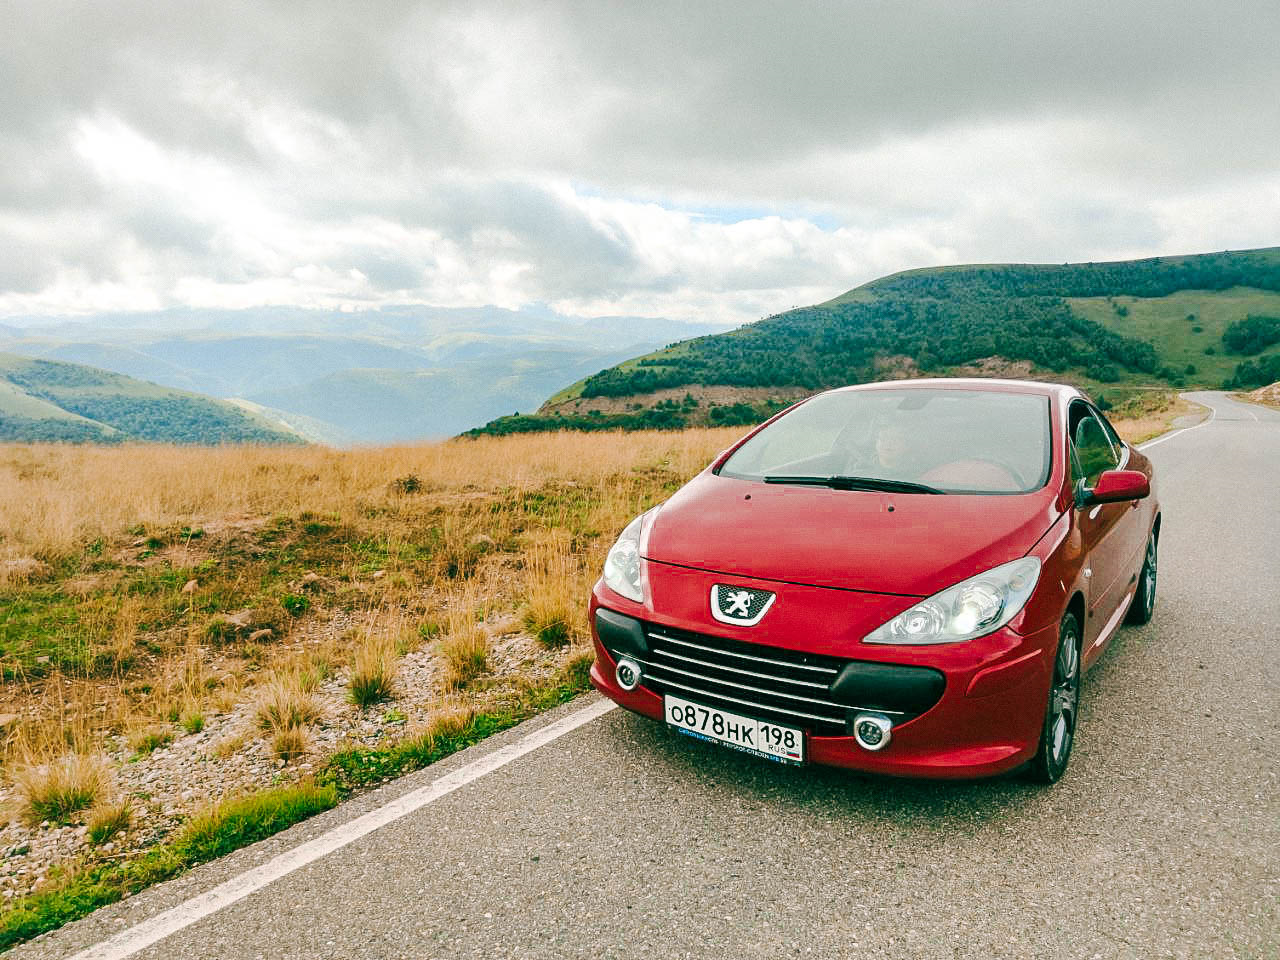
[1150, 414]
[465, 645]
[373, 665]
[448, 720]
[107, 819]
[143, 742]
[55, 498]
[284, 704]
[229, 746]
[290, 743]
[555, 592]
[56, 788]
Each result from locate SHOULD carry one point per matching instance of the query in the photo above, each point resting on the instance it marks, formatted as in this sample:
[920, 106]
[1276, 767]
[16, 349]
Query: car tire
[1058, 734]
[1144, 598]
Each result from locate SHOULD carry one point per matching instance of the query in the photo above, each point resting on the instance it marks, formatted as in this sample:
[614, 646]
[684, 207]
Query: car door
[1135, 524]
[1102, 526]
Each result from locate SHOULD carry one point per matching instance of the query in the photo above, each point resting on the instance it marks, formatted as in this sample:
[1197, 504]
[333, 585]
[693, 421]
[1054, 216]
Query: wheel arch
[1076, 605]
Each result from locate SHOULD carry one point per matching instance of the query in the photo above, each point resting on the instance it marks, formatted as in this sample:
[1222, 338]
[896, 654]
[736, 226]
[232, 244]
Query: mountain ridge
[1071, 322]
[52, 401]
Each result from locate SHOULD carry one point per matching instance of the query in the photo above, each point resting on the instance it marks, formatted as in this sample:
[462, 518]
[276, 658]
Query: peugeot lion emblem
[740, 606]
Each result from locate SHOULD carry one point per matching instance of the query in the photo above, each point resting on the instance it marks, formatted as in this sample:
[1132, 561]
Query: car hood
[906, 544]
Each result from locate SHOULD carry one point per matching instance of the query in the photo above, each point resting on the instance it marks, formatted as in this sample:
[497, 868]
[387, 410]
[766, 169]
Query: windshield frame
[1040, 482]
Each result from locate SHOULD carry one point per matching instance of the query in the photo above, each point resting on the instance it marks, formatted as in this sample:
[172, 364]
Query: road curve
[620, 840]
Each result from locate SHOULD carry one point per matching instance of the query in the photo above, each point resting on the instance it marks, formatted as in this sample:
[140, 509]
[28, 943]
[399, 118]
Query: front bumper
[987, 720]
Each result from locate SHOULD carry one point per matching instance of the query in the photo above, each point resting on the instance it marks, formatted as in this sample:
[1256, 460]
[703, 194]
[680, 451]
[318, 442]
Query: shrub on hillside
[1252, 335]
[1255, 373]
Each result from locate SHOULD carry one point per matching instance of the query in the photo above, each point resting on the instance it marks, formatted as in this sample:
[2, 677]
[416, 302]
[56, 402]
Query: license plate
[759, 737]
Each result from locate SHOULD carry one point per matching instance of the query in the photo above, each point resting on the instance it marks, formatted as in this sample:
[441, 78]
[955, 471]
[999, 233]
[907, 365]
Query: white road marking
[128, 942]
[1213, 412]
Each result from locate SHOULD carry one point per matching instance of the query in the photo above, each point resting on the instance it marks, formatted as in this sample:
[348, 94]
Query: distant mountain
[398, 406]
[42, 400]
[411, 372]
[1106, 326]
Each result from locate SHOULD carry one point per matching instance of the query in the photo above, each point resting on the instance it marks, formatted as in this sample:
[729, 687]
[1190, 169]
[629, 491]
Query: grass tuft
[147, 741]
[374, 664]
[553, 593]
[60, 787]
[108, 819]
[290, 743]
[284, 704]
[465, 645]
[295, 604]
[191, 719]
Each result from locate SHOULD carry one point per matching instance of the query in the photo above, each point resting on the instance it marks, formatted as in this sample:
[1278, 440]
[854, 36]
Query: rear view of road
[621, 840]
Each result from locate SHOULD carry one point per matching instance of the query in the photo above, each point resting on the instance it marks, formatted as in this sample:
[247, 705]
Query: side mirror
[1114, 486]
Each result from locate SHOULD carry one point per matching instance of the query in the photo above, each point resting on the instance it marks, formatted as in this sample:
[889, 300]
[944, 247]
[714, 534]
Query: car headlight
[622, 565]
[972, 608]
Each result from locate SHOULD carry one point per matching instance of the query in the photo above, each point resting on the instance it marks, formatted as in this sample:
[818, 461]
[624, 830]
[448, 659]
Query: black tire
[1058, 734]
[1144, 599]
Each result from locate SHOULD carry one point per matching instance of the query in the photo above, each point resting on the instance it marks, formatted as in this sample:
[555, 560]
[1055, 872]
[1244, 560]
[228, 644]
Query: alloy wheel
[1149, 576]
[1064, 701]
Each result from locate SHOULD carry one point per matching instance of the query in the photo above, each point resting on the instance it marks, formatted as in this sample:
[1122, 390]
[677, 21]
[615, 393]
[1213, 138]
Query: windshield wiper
[857, 483]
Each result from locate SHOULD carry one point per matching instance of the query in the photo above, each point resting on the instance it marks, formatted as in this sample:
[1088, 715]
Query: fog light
[627, 674]
[872, 731]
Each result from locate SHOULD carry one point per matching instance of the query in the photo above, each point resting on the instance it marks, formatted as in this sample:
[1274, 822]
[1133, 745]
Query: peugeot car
[907, 578]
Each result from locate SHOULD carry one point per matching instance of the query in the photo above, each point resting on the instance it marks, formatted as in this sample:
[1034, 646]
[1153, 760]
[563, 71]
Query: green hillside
[1110, 327]
[42, 401]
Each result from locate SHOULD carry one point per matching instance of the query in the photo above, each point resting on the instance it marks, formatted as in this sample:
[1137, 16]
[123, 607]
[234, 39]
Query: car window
[1093, 449]
[955, 440]
[1120, 448]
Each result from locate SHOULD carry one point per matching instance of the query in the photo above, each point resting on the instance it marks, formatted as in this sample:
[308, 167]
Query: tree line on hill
[818, 347]
[122, 409]
[951, 317]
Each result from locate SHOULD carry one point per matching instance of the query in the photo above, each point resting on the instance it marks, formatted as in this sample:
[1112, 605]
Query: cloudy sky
[699, 160]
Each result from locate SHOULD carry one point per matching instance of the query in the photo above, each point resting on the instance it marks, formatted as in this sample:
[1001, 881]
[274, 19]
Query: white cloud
[699, 161]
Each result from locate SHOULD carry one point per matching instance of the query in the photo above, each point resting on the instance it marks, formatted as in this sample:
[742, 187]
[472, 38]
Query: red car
[907, 578]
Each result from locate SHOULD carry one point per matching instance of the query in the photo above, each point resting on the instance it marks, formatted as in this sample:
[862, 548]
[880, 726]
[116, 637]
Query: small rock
[265, 633]
[7, 720]
[190, 586]
[42, 659]
[379, 574]
[240, 619]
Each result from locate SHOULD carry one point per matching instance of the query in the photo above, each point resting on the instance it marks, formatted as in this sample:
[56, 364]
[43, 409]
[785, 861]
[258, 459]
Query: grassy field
[1187, 326]
[318, 620]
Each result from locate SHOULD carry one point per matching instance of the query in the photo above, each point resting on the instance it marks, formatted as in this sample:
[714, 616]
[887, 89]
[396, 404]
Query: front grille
[768, 683]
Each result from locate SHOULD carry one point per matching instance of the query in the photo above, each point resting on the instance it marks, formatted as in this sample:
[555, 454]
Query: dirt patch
[896, 367]
[705, 395]
[996, 367]
[1268, 396]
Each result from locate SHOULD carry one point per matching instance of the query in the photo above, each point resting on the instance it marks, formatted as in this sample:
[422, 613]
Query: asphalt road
[620, 840]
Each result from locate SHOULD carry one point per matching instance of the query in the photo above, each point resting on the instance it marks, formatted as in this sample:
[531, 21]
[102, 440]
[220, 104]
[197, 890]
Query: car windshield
[941, 441]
